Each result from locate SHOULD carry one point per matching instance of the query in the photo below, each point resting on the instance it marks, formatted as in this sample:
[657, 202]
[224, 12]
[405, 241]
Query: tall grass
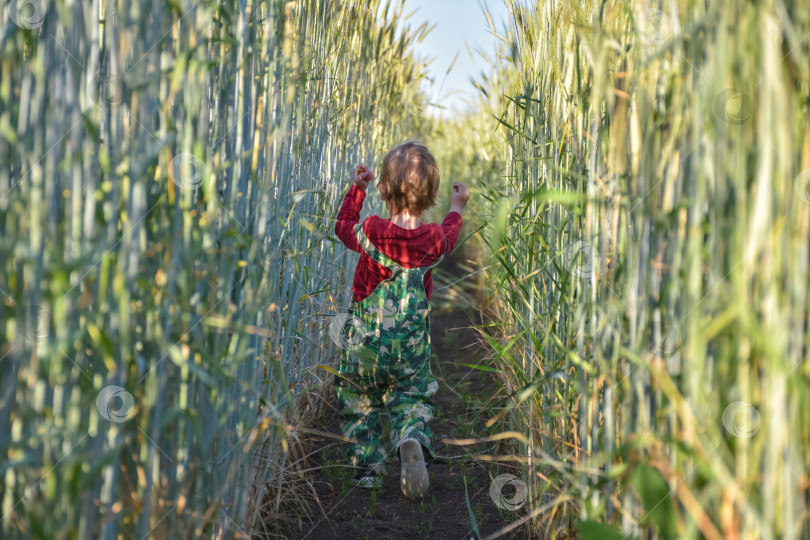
[650, 241]
[169, 175]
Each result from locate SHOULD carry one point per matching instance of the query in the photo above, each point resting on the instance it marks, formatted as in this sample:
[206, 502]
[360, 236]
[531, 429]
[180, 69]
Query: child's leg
[360, 404]
[409, 403]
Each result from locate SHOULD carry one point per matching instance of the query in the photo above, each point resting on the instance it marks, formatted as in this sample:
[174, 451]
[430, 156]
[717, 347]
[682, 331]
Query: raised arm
[349, 214]
[459, 198]
[451, 226]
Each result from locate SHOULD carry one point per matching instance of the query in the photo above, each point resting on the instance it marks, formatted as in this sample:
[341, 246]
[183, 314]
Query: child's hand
[362, 176]
[459, 198]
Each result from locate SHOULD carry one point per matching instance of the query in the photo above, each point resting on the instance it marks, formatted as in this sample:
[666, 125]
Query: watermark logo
[105, 90]
[666, 340]
[27, 13]
[655, 27]
[496, 492]
[115, 404]
[37, 325]
[802, 186]
[348, 331]
[187, 170]
[580, 258]
[741, 419]
[733, 106]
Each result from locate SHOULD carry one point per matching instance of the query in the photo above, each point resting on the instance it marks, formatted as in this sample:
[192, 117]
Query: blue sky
[456, 21]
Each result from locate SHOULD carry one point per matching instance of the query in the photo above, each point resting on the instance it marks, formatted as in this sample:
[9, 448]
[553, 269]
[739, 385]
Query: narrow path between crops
[354, 513]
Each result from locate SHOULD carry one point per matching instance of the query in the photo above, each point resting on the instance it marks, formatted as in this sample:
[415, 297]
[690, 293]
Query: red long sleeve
[412, 248]
[349, 216]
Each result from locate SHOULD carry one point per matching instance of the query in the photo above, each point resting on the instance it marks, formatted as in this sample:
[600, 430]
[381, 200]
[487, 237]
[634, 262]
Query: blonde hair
[409, 178]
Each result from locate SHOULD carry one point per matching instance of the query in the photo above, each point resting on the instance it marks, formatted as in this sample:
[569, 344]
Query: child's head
[409, 179]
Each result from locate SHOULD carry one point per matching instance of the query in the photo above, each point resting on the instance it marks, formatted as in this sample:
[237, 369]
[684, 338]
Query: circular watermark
[741, 419]
[801, 185]
[666, 340]
[115, 404]
[348, 331]
[36, 325]
[733, 106]
[580, 258]
[187, 170]
[655, 26]
[27, 13]
[508, 503]
[105, 90]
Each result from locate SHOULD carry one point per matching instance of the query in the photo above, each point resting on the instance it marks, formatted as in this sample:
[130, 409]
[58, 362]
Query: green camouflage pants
[402, 385]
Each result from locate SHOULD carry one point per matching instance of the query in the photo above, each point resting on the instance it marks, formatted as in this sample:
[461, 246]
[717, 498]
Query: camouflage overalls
[386, 362]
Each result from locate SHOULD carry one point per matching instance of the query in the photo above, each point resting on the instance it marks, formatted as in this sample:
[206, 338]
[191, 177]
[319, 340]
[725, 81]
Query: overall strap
[371, 250]
[441, 257]
[378, 256]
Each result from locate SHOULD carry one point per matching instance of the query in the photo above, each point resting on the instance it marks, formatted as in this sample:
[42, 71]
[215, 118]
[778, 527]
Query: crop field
[635, 256]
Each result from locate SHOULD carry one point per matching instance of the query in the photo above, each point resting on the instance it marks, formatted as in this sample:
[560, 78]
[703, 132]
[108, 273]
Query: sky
[456, 21]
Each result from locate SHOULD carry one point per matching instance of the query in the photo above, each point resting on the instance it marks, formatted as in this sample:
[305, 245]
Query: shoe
[425, 453]
[414, 479]
[368, 479]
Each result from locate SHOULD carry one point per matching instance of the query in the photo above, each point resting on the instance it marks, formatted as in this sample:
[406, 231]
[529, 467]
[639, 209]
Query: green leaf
[473, 521]
[482, 368]
[593, 530]
[654, 492]
[328, 369]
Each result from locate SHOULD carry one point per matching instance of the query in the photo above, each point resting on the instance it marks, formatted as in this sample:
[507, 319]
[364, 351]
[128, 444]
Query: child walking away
[386, 361]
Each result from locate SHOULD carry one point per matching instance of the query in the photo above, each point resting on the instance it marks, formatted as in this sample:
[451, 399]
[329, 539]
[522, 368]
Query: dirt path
[355, 513]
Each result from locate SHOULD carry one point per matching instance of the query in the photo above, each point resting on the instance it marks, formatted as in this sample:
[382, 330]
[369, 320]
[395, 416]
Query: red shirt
[411, 248]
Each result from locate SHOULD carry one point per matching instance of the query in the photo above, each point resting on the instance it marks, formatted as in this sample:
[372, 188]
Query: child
[390, 294]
